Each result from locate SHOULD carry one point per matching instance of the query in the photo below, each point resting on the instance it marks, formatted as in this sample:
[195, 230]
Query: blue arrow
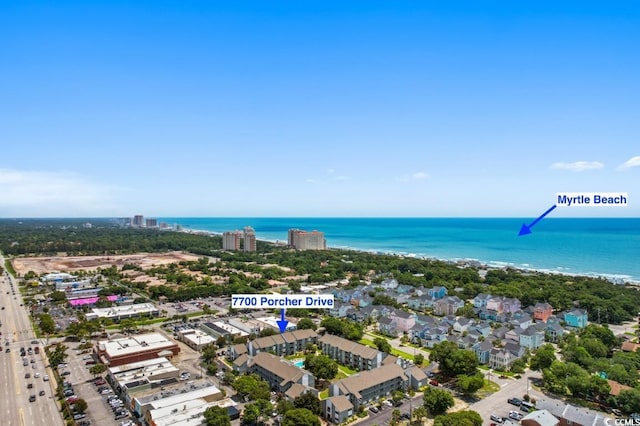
[283, 322]
[526, 229]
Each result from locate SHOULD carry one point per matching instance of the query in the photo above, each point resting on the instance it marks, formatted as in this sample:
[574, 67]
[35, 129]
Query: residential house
[531, 339]
[403, 320]
[483, 351]
[501, 359]
[500, 332]
[515, 348]
[340, 309]
[495, 303]
[437, 292]
[388, 284]
[280, 374]
[576, 318]
[337, 409]
[510, 305]
[463, 324]
[404, 289]
[448, 305]
[521, 321]
[349, 353]
[368, 386]
[484, 328]
[480, 301]
[542, 311]
[387, 327]
[369, 312]
[235, 351]
[240, 364]
[514, 334]
[420, 302]
[553, 331]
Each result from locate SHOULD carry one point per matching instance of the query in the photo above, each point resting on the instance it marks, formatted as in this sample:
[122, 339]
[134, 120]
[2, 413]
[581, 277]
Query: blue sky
[317, 108]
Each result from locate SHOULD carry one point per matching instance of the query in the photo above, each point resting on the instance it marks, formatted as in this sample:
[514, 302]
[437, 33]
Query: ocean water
[599, 247]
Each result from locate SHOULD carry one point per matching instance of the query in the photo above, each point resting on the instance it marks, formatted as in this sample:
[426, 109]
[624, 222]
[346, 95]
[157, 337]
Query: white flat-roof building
[189, 413]
[137, 348]
[122, 312]
[177, 401]
[195, 339]
[143, 371]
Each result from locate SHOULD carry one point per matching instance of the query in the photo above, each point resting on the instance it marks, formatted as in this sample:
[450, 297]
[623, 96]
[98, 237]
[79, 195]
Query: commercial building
[151, 223]
[303, 240]
[279, 373]
[367, 386]
[118, 313]
[349, 353]
[187, 413]
[249, 239]
[136, 348]
[195, 339]
[135, 377]
[220, 328]
[231, 240]
[176, 398]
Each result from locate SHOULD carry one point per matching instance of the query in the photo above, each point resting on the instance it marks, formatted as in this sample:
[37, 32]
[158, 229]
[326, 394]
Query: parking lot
[76, 373]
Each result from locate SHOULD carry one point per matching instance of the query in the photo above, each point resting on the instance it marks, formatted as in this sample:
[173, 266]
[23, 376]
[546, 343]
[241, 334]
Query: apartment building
[351, 354]
[249, 239]
[367, 386]
[279, 373]
[284, 344]
[231, 240]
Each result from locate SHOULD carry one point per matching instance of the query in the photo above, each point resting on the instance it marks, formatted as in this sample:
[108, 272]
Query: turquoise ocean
[597, 247]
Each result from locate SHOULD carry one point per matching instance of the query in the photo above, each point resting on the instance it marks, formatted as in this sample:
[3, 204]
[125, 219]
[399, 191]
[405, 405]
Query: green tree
[418, 359]
[466, 311]
[437, 401]
[58, 296]
[321, 366]
[397, 396]
[460, 418]
[470, 384]
[284, 405]
[97, 369]
[47, 325]
[57, 354]
[629, 400]
[300, 417]
[216, 416]
[309, 401]
[252, 386]
[209, 353]
[382, 344]
[81, 405]
[544, 356]
[395, 417]
[306, 324]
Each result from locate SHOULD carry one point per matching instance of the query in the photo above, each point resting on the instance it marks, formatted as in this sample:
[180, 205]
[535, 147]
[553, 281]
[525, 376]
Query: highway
[15, 408]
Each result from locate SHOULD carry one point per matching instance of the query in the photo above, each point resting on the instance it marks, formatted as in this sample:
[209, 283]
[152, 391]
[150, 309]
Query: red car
[434, 383]
[99, 382]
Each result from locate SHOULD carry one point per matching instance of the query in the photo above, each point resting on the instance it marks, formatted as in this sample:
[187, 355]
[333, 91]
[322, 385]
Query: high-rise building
[151, 223]
[231, 240]
[303, 240]
[138, 220]
[249, 239]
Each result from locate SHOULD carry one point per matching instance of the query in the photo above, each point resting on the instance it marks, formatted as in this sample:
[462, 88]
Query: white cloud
[32, 193]
[630, 163]
[578, 166]
[341, 177]
[312, 180]
[419, 175]
[331, 171]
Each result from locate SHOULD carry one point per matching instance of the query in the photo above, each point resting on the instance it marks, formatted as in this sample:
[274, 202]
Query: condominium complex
[367, 386]
[231, 240]
[303, 240]
[349, 353]
[280, 374]
[249, 235]
[151, 223]
[138, 220]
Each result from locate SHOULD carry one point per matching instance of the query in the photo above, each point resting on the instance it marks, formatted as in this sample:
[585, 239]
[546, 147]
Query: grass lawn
[405, 355]
[368, 342]
[324, 394]
[346, 370]
[488, 388]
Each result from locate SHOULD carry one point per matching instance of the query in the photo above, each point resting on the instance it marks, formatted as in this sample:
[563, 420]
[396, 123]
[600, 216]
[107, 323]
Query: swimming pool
[299, 363]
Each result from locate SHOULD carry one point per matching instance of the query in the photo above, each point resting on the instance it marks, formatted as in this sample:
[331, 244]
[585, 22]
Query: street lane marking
[21, 416]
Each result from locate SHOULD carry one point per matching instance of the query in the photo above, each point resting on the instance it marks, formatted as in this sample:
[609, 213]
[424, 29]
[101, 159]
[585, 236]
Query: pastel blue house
[437, 292]
[576, 318]
[531, 338]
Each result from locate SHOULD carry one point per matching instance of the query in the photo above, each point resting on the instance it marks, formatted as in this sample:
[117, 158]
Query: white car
[36, 375]
[45, 378]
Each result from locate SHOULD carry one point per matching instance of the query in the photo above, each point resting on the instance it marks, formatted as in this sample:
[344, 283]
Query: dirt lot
[41, 265]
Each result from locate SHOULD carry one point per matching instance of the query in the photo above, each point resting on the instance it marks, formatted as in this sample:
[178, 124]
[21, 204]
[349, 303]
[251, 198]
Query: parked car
[42, 393]
[496, 418]
[79, 416]
[434, 383]
[32, 398]
[514, 401]
[515, 415]
[373, 409]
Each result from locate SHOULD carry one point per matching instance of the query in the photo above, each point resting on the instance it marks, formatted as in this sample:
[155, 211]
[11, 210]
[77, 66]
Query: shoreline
[616, 279]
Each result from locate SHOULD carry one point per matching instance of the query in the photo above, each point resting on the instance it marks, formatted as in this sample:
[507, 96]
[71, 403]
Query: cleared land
[41, 265]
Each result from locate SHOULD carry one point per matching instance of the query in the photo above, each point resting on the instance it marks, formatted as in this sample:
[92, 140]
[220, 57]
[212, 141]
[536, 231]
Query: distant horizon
[316, 217]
